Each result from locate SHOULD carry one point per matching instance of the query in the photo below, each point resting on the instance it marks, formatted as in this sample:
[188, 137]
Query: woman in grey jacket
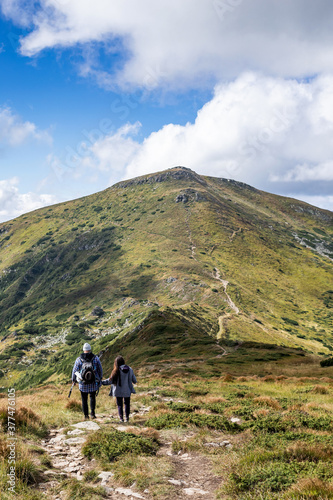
[121, 379]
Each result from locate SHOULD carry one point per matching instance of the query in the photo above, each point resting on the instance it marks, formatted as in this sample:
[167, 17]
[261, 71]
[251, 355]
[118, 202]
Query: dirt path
[187, 223]
[225, 283]
[224, 318]
[193, 477]
[234, 233]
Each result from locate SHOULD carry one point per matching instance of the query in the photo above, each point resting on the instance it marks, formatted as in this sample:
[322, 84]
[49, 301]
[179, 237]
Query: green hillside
[173, 261]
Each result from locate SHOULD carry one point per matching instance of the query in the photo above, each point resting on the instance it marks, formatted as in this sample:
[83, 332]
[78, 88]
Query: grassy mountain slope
[217, 256]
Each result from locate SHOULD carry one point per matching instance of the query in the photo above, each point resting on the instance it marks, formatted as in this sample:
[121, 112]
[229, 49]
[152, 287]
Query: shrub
[108, 445]
[190, 392]
[290, 321]
[273, 477]
[181, 407]
[326, 362]
[171, 420]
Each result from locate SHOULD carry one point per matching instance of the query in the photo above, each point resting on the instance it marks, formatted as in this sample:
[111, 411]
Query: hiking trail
[193, 476]
[225, 283]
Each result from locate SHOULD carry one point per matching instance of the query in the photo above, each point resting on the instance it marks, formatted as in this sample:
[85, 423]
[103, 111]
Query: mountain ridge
[217, 255]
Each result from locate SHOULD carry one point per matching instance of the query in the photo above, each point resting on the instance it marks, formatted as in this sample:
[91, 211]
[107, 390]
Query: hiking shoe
[121, 420]
[93, 415]
[126, 419]
[86, 417]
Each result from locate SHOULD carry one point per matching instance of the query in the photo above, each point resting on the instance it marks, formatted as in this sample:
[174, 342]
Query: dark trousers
[127, 407]
[84, 397]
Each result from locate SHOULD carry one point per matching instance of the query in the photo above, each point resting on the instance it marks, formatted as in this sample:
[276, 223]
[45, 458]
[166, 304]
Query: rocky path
[193, 477]
[189, 232]
[225, 283]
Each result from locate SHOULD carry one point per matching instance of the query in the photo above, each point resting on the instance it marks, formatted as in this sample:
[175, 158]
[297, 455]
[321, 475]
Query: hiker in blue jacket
[121, 379]
[88, 372]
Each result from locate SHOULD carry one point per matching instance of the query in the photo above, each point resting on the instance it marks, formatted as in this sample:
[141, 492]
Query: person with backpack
[121, 380]
[88, 372]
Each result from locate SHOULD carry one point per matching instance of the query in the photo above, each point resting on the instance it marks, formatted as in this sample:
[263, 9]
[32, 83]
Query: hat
[87, 347]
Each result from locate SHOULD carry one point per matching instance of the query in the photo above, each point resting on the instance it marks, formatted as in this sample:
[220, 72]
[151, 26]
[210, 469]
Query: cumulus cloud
[13, 203]
[272, 133]
[14, 131]
[175, 43]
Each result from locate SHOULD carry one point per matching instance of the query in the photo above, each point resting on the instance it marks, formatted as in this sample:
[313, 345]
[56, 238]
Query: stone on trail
[225, 443]
[105, 476]
[79, 475]
[60, 464]
[57, 439]
[128, 492]
[176, 482]
[89, 426]
[54, 473]
[75, 432]
[77, 440]
[195, 491]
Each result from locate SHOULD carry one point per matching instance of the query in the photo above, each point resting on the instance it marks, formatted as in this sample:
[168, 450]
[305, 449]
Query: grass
[75, 490]
[282, 448]
[145, 472]
[106, 446]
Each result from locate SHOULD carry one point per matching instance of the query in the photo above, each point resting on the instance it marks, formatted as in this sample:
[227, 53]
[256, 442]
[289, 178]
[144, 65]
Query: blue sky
[95, 92]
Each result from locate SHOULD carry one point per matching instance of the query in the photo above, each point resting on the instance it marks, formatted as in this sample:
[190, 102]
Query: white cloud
[13, 203]
[256, 129]
[306, 172]
[14, 131]
[272, 133]
[176, 43]
[115, 150]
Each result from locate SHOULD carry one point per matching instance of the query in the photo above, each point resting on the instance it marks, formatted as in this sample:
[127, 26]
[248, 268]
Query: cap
[87, 347]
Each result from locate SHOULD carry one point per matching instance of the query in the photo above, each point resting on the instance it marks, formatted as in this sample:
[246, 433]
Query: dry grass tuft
[304, 379]
[228, 378]
[303, 452]
[296, 407]
[310, 488]
[4, 450]
[74, 405]
[269, 378]
[210, 399]
[147, 432]
[24, 417]
[262, 412]
[320, 389]
[268, 401]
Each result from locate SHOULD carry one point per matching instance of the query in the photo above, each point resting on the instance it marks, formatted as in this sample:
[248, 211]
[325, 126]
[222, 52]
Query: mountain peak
[176, 173]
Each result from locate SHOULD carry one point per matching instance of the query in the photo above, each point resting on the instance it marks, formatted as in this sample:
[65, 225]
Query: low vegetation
[278, 429]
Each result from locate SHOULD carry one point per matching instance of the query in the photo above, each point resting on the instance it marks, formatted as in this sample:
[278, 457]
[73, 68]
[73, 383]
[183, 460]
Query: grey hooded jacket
[122, 387]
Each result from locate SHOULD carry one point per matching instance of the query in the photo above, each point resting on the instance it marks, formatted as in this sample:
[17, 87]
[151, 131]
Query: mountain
[161, 266]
